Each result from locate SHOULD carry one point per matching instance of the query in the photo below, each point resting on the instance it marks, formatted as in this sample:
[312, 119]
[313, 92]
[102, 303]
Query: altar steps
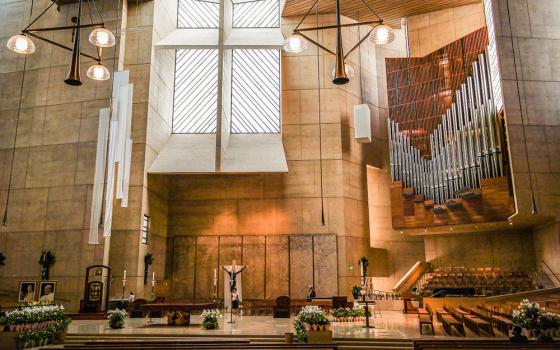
[176, 342]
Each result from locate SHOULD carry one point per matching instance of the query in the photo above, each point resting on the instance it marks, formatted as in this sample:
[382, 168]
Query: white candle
[153, 276]
[215, 273]
[124, 276]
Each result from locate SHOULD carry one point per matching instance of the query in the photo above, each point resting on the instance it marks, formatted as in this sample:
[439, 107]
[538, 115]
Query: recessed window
[198, 14]
[247, 80]
[145, 229]
[196, 85]
[255, 95]
[256, 13]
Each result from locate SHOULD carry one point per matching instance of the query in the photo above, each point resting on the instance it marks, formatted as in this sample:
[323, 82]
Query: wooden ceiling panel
[391, 11]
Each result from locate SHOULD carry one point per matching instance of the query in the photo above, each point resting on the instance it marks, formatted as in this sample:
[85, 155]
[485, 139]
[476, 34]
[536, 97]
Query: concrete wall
[547, 245]
[55, 142]
[507, 250]
[325, 165]
[528, 43]
[50, 192]
[433, 30]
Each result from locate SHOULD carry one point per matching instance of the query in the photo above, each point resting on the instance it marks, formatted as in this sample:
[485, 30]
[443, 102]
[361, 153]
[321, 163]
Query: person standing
[311, 293]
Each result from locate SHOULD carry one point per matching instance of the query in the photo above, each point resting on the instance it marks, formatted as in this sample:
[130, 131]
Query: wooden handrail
[549, 269]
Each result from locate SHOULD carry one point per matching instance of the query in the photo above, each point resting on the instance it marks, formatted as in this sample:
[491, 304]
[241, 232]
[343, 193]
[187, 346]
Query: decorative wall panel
[276, 264]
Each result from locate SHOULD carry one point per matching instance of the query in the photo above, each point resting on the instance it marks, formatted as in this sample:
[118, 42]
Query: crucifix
[232, 295]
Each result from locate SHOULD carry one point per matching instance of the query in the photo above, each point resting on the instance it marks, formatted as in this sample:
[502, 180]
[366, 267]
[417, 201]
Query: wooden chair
[282, 307]
[134, 308]
[339, 302]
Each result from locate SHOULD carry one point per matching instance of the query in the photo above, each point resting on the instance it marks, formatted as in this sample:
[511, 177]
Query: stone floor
[391, 324]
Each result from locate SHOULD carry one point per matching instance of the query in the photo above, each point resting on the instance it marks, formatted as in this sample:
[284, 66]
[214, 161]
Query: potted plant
[550, 322]
[527, 316]
[116, 318]
[210, 318]
[309, 319]
[356, 292]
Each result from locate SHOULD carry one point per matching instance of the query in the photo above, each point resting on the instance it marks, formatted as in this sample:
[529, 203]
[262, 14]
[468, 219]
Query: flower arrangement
[37, 324]
[550, 320]
[116, 318]
[348, 314]
[310, 318]
[210, 318]
[530, 315]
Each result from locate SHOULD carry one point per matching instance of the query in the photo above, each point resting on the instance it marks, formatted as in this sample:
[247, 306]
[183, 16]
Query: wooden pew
[449, 322]
[475, 344]
[425, 317]
[478, 325]
[501, 323]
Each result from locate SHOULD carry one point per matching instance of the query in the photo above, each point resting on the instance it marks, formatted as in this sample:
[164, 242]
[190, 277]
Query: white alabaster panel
[99, 177]
[110, 189]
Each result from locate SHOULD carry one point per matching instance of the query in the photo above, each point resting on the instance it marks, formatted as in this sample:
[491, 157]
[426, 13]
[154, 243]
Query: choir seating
[483, 281]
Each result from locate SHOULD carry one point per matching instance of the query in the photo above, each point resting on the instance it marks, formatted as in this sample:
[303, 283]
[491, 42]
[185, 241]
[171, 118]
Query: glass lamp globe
[349, 71]
[102, 37]
[382, 35]
[98, 72]
[295, 44]
[21, 44]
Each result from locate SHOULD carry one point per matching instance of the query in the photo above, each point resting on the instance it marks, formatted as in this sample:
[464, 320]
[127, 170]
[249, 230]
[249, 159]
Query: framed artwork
[27, 291]
[47, 291]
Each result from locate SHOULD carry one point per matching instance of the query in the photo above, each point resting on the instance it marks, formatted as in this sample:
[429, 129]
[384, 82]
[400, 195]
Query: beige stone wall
[528, 41]
[393, 253]
[55, 141]
[547, 245]
[54, 160]
[283, 211]
[507, 250]
[431, 31]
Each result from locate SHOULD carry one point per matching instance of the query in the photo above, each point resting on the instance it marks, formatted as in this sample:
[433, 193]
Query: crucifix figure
[233, 275]
[232, 294]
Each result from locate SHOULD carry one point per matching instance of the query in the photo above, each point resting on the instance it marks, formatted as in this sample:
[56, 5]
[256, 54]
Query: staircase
[168, 342]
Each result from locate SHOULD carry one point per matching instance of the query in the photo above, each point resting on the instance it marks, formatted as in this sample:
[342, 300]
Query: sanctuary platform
[391, 325]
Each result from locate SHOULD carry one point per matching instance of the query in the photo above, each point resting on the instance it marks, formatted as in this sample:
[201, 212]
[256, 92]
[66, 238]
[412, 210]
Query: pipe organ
[465, 148]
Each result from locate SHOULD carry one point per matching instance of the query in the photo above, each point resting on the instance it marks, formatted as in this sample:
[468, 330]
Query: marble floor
[392, 324]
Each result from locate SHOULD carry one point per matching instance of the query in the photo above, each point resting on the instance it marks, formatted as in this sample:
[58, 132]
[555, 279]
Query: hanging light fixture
[21, 44]
[100, 37]
[342, 73]
[382, 35]
[98, 72]
[295, 44]
[348, 70]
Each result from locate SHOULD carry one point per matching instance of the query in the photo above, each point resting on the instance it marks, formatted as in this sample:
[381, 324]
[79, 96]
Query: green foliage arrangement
[356, 291]
[116, 318]
[46, 260]
[148, 261]
[210, 319]
[348, 314]
[310, 318]
[38, 324]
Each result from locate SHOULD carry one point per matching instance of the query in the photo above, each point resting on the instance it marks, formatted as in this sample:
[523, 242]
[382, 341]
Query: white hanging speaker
[362, 123]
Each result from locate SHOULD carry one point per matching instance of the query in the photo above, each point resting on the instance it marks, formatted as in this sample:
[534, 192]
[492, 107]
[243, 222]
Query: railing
[549, 269]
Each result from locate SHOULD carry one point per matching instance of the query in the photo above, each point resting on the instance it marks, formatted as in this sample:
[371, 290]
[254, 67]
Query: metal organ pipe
[464, 148]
